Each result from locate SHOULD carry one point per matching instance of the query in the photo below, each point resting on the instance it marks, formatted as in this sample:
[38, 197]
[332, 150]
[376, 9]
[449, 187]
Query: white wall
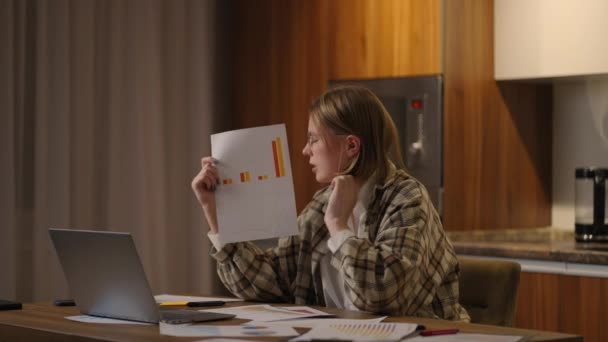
[580, 138]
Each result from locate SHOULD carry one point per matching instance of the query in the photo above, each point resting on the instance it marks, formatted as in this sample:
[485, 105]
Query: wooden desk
[45, 322]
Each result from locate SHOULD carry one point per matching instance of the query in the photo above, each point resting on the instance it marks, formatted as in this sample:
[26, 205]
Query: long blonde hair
[355, 110]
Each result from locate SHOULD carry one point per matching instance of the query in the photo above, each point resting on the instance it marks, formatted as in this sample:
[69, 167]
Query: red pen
[439, 332]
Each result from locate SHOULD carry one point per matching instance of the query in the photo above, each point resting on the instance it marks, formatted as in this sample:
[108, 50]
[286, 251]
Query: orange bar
[276, 159]
[242, 177]
[281, 157]
[247, 179]
[229, 180]
[265, 177]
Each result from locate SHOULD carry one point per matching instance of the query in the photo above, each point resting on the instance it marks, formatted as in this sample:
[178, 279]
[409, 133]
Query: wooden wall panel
[569, 304]
[285, 52]
[370, 38]
[280, 67]
[497, 139]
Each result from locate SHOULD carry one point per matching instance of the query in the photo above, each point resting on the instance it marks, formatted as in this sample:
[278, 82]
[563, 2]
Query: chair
[488, 289]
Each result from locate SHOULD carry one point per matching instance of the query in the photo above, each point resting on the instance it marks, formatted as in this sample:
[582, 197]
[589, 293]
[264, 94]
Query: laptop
[106, 278]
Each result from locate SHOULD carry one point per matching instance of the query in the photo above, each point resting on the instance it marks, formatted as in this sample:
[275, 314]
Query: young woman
[371, 240]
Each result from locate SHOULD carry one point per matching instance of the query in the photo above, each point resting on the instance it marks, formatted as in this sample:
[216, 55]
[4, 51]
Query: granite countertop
[546, 244]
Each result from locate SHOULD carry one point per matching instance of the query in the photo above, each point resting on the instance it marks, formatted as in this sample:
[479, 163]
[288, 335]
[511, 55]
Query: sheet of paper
[313, 322]
[102, 320]
[254, 195]
[359, 332]
[190, 330]
[267, 313]
[221, 340]
[463, 337]
[176, 298]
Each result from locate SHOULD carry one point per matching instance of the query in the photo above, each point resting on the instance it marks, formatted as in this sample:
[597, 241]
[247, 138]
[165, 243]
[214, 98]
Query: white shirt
[333, 282]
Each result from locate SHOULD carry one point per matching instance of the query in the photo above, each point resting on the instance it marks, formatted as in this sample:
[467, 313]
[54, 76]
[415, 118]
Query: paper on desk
[190, 330]
[102, 320]
[175, 298]
[463, 337]
[267, 313]
[359, 332]
[221, 340]
[254, 197]
[313, 322]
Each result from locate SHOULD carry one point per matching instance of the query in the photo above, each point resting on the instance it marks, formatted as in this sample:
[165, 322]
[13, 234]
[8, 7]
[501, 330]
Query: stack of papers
[102, 320]
[267, 313]
[279, 321]
[359, 332]
[189, 330]
[463, 337]
[313, 322]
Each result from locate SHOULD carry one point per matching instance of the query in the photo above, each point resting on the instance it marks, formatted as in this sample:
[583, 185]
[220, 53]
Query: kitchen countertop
[545, 244]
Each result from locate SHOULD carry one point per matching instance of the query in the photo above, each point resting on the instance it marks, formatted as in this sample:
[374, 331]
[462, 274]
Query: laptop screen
[105, 275]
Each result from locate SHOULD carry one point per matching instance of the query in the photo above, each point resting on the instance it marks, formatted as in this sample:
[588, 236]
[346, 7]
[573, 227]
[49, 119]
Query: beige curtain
[107, 107]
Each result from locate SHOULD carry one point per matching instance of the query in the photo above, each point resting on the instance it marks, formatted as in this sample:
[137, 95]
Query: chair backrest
[488, 289]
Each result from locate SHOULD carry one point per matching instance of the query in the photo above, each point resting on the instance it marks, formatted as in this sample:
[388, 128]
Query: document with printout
[359, 332]
[102, 320]
[189, 330]
[267, 313]
[463, 337]
[313, 322]
[254, 193]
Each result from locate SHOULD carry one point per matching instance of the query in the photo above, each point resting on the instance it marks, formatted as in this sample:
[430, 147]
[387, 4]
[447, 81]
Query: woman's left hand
[342, 201]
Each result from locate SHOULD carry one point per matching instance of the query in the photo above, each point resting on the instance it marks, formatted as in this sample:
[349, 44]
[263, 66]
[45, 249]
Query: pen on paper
[439, 332]
[194, 304]
[173, 304]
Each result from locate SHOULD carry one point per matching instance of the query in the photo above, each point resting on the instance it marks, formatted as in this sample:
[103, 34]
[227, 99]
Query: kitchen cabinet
[385, 38]
[563, 285]
[564, 303]
[550, 38]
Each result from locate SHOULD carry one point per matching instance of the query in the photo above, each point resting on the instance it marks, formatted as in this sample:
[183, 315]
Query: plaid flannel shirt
[405, 266]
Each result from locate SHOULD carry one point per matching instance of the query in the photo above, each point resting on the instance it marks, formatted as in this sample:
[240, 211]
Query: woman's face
[325, 152]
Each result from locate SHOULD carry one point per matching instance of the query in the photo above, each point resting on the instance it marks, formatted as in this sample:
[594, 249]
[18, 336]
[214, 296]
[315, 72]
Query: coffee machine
[591, 222]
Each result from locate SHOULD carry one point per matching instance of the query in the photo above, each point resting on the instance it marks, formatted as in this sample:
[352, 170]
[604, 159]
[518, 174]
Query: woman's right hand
[203, 186]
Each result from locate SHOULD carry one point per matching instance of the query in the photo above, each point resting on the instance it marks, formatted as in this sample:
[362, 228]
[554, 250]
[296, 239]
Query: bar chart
[254, 193]
[276, 147]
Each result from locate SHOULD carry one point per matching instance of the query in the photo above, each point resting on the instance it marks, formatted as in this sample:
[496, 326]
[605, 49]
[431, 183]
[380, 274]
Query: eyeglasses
[311, 139]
